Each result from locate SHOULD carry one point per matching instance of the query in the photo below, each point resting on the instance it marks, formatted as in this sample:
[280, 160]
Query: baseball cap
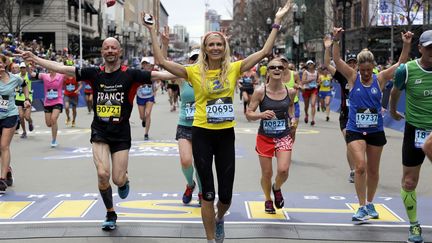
[147, 60]
[22, 64]
[310, 62]
[350, 57]
[283, 58]
[426, 38]
[193, 53]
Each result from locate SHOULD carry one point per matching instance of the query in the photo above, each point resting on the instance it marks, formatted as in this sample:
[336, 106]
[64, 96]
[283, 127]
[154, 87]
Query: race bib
[326, 83]
[276, 126]
[313, 84]
[366, 118]
[420, 137]
[220, 110]
[190, 111]
[145, 92]
[52, 94]
[107, 111]
[4, 103]
[87, 86]
[70, 87]
[347, 102]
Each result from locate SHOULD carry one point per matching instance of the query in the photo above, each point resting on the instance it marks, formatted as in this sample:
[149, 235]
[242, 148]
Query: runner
[71, 93]
[343, 115]
[310, 90]
[247, 85]
[88, 94]
[8, 118]
[146, 99]
[291, 79]
[24, 113]
[53, 102]
[214, 79]
[415, 78]
[365, 131]
[325, 94]
[114, 86]
[274, 139]
[173, 93]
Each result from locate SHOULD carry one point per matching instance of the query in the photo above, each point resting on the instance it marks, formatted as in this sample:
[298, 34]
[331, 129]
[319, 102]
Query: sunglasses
[276, 67]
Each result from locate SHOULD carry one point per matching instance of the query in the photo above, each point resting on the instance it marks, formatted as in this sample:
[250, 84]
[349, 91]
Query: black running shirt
[344, 93]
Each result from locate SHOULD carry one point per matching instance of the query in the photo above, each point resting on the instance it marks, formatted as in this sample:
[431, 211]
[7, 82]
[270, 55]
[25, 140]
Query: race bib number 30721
[107, 111]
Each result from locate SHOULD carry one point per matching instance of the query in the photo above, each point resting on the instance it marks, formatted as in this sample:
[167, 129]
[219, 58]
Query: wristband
[335, 41]
[276, 26]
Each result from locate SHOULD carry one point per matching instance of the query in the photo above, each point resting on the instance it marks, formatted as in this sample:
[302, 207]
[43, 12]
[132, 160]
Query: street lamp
[111, 29]
[298, 19]
[345, 4]
[126, 35]
[269, 24]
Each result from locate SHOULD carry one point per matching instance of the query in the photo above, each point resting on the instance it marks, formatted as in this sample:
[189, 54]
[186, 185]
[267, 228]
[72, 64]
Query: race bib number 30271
[220, 110]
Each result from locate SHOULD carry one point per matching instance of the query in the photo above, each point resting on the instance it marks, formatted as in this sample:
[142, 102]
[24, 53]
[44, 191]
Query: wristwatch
[276, 26]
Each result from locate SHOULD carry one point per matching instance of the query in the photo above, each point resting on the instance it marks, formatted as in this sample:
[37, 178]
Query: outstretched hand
[327, 41]
[337, 33]
[407, 37]
[282, 11]
[165, 36]
[28, 56]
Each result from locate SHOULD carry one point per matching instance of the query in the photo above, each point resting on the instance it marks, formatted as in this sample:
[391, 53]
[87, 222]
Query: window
[26, 11]
[85, 17]
[76, 14]
[91, 20]
[357, 15]
[37, 12]
[347, 17]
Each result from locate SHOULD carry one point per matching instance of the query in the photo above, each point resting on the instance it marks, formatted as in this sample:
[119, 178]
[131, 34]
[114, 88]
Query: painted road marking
[11, 209]
[71, 131]
[244, 130]
[170, 208]
[70, 209]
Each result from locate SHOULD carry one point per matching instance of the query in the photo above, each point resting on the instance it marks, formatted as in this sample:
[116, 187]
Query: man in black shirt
[343, 115]
[114, 87]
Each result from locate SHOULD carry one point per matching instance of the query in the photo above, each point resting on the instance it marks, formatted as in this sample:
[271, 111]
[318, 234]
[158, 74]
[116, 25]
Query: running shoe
[73, 124]
[9, 177]
[371, 211]
[146, 137]
[306, 119]
[123, 191]
[187, 195]
[312, 123]
[3, 186]
[110, 221]
[268, 206]
[327, 118]
[31, 127]
[415, 236]
[54, 144]
[361, 215]
[67, 122]
[351, 176]
[279, 200]
[220, 231]
[200, 198]
[24, 135]
[143, 123]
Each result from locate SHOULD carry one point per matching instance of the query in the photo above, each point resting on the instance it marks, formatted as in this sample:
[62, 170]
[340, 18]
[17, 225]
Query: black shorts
[173, 87]
[114, 144]
[375, 139]
[411, 156]
[183, 132]
[49, 109]
[343, 122]
[19, 103]
[8, 122]
[247, 90]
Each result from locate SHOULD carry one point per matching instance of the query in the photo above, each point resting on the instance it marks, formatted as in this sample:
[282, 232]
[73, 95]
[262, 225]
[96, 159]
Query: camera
[148, 19]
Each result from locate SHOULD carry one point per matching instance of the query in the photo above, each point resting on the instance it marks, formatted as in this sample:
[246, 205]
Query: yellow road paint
[71, 209]
[11, 209]
[178, 212]
[256, 211]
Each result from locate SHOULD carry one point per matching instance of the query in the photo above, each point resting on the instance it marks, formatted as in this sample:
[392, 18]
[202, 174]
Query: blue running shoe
[220, 231]
[123, 191]
[187, 195]
[371, 211]
[110, 221]
[361, 214]
[415, 234]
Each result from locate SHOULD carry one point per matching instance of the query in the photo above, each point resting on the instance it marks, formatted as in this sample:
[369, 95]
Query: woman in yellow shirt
[214, 79]
[325, 94]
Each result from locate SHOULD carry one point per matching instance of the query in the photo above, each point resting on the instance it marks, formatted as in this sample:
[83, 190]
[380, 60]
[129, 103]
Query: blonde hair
[203, 59]
[365, 56]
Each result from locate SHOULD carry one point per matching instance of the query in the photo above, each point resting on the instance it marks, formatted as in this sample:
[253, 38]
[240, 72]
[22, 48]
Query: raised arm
[387, 74]
[51, 65]
[327, 57]
[254, 58]
[172, 67]
[341, 66]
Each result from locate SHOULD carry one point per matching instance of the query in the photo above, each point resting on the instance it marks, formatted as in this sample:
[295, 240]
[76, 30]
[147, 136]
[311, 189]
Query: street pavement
[50, 183]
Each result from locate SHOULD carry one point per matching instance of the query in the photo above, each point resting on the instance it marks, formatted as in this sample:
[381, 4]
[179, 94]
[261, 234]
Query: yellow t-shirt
[263, 70]
[290, 84]
[325, 82]
[212, 101]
